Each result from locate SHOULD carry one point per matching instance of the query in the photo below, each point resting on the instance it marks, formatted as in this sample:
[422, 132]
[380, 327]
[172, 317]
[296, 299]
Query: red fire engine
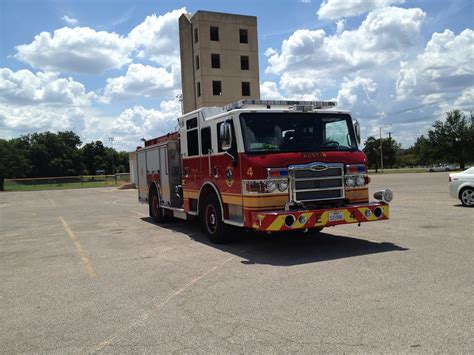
[260, 164]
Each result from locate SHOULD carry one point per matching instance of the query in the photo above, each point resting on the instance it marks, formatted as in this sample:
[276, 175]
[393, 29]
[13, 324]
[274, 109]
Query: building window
[244, 36]
[197, 62]
[214, 33]
[206, 144]
[215, 61]
[196, 37]
[198, 88]
[216, 88]
[245, 88]
[244, 62]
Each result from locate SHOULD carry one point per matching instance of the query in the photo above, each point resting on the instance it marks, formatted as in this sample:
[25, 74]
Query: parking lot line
[50, 200]
[156, 308]
[80, 251]
[140, 213]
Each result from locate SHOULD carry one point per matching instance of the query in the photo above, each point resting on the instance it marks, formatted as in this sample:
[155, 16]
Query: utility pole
[381, 147]
[381, 151]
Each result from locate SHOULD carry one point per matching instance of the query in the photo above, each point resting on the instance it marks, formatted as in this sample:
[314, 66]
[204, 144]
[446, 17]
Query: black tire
[466, 196]
[211, 220]
[155, 211]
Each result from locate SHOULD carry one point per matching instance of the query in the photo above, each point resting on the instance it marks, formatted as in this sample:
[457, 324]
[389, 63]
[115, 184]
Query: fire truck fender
[206, 189]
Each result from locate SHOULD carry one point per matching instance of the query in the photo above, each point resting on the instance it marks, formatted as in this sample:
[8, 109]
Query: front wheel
[212, 222]
[313, 231]
[467, 197]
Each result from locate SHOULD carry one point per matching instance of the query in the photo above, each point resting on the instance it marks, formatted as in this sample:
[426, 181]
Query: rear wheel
[212, 222]
[467, 197]
[156, 212]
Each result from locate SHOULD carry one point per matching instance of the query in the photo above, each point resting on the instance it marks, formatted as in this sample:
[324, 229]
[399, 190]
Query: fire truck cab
[260, 164]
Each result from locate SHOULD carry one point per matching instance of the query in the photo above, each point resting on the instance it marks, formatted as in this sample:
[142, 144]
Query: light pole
[111, 140]
[180, 99]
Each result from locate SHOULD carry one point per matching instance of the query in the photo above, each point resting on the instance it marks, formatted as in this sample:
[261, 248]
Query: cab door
[227, 168]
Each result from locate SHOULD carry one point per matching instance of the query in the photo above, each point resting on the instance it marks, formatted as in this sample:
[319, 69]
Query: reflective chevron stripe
[274, 221]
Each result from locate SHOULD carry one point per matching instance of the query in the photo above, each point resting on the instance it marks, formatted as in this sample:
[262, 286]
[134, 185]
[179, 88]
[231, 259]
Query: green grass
[11, 186]
[399, 171]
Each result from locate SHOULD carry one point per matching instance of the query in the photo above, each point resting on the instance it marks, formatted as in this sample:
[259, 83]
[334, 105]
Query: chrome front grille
[316, 182]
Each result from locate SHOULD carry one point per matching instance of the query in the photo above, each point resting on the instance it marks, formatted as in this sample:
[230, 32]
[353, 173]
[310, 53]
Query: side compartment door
[142, 183]
[164, 175]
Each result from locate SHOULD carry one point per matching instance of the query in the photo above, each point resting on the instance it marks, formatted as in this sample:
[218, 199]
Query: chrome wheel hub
[467, 197]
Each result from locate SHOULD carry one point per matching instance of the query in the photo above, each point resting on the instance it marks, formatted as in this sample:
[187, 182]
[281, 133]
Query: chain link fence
[65, 182]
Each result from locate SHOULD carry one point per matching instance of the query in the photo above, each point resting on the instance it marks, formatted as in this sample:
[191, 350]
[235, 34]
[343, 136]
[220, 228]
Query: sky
[111, 68]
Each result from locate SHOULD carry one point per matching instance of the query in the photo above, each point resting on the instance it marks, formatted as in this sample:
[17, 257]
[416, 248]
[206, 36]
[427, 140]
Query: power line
[416, 107]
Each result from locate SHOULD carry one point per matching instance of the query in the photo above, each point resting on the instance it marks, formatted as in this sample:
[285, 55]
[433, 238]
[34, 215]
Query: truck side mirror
[357, 131]
[225, 135]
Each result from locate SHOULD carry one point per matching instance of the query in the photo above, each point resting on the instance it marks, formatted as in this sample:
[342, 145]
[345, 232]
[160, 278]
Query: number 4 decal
[250, 172]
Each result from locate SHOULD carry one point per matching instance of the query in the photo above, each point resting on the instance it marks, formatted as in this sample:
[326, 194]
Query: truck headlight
[384, 195]
[271, 185]
[360, 180]
[282, 185]
[350, 182]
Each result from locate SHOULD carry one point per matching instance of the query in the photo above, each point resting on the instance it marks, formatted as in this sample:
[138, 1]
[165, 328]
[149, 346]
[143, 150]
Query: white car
[442, 167]
[461, 186]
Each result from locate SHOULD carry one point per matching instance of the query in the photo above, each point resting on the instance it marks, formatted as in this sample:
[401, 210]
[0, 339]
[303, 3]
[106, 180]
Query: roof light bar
[288, 103]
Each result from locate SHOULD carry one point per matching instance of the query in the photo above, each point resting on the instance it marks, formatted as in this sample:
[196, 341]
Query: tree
[372, 150]
[54, 154]
[390, 150]
[453, 139]
[13, 161]
[94, 156]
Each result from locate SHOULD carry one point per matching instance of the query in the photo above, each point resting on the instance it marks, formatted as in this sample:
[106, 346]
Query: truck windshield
[296, 132]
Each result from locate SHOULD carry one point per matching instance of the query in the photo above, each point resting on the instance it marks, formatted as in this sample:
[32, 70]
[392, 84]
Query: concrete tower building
[219, 59]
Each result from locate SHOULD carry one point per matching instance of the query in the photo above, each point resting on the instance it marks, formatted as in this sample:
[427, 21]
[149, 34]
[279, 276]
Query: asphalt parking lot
[85, 271]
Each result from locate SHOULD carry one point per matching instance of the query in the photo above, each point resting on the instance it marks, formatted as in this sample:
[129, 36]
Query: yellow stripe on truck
[265, 201]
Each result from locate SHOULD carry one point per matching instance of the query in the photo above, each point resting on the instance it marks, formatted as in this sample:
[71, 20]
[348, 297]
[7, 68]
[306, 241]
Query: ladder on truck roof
[290, 105]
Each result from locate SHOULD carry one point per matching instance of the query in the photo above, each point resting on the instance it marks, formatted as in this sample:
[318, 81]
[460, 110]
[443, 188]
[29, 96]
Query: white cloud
[463, 102]
[70, 20]
[157, 38]
[380, 39]
[19, 120]
[24, 87]
[301, 87]
[444, 68]
[334, 9]
[357, 91]
[310, 60]
[85, 50]
[143, 81]
[138, 122]
[269, 91]
[76, 50]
